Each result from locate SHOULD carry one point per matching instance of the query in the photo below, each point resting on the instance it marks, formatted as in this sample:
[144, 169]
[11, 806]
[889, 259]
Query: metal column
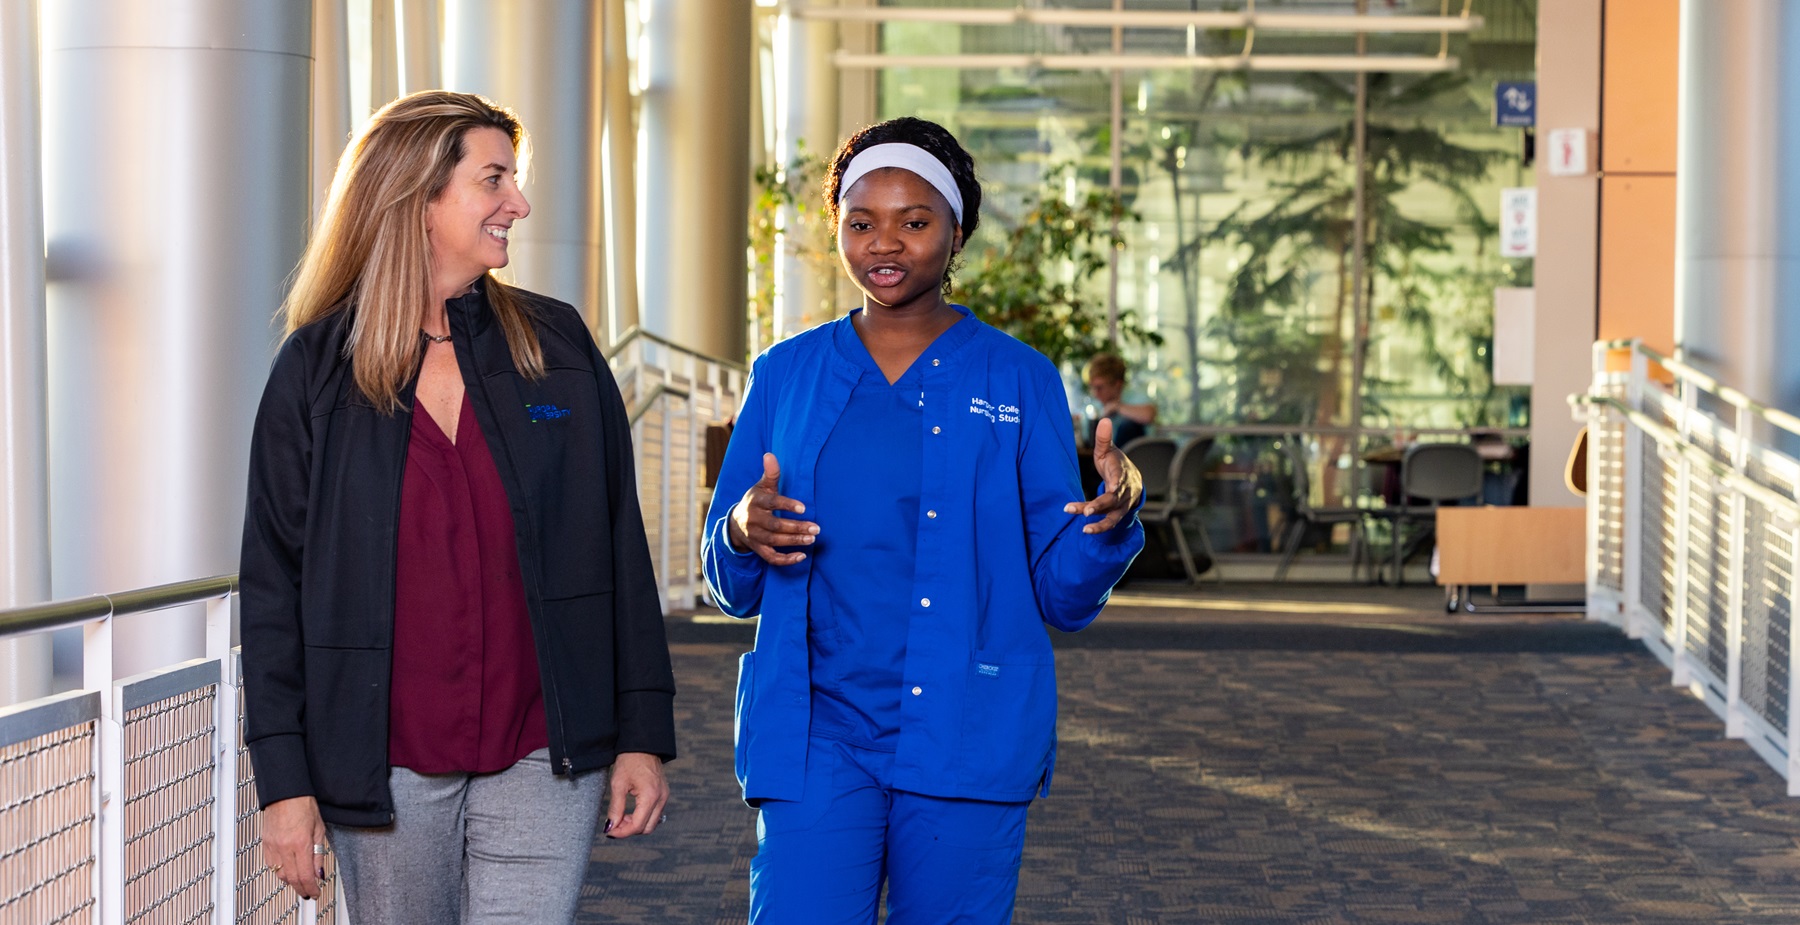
[619, 172]
[177, 150]
[1737, 247]
[806, 120]
[696, 173]
[24, 514]
[543, 61]
[331, 122]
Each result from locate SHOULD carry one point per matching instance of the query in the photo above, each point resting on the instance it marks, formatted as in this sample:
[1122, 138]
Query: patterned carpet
[1281, 762]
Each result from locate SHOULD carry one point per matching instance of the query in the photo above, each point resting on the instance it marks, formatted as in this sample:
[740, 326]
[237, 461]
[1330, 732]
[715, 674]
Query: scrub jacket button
[924, 602]
[934, 362]
[931, 514]
[937, 430]
[917, 691]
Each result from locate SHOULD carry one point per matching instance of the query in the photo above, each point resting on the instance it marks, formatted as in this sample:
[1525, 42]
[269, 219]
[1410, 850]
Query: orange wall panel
[1637, 259]
[1638, 86]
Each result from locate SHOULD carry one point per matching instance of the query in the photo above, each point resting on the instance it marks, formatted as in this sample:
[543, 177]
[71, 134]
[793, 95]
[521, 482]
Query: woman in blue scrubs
[900, 504]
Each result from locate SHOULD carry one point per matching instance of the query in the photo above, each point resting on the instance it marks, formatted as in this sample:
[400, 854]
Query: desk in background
[1480, 546]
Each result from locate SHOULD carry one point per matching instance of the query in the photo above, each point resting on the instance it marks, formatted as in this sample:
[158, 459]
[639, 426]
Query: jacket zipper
[559, 735]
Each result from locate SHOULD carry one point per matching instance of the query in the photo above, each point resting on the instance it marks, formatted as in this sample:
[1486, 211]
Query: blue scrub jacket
[997, 559]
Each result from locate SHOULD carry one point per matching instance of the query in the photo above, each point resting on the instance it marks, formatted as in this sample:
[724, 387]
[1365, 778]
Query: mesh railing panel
[671, 465]
[47, 815]
[1768, 574]
[1656, 542]
[1708, 540]
[168, 810]
[262, 899]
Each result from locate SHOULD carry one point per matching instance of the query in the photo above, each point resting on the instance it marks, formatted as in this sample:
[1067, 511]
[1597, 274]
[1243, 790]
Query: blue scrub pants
[821, 860]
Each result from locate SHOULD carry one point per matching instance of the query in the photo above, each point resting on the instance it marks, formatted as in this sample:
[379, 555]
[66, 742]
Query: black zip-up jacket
[320, 541]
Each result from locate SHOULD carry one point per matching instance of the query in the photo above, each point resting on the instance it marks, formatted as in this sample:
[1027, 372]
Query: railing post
[109, 773]
[667, 502]
[696, 467]
[1793, 695]
[1631, 502]
[1596, 418]
[225, 721]
[1684, 491]
[1737, 530]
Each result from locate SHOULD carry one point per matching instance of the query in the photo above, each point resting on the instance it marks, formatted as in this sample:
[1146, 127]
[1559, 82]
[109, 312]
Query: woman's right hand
[754, 527]
[291, 829]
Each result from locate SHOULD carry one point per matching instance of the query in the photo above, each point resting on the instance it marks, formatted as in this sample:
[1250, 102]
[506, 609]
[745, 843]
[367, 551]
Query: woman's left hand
[639, 776]
[1123, 484]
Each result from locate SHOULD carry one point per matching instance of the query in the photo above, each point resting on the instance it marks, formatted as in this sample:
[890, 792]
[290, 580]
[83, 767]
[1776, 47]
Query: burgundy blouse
[466, 695]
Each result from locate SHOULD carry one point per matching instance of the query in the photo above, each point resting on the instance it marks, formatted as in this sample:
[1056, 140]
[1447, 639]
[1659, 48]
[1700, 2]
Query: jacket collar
[948, 345]
[470, 311]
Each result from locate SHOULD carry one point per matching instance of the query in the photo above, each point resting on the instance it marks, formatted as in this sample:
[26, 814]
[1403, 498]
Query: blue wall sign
[1515, 104]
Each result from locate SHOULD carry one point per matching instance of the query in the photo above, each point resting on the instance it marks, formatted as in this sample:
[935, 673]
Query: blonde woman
[449, 622]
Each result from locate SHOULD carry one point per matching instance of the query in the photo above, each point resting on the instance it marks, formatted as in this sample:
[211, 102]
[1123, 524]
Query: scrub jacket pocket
[740, 738]
[1009, 722]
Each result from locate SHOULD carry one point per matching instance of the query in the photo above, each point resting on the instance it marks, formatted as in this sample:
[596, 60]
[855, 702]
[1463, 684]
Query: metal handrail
[1665, 436]
[1729, 395]
[634, 332]
[648, 401]
[37, 618]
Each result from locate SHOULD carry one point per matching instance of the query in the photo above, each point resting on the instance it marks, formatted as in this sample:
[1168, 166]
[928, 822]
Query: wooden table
[1510, 546]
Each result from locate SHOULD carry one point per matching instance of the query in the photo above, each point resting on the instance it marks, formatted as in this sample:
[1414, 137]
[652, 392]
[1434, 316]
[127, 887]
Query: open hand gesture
[1123, 485]
[753, 525]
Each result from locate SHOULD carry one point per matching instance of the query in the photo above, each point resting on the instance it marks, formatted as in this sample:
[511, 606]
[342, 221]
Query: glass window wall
[1237, 253]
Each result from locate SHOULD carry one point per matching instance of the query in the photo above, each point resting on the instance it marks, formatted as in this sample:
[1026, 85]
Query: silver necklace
[434, 338]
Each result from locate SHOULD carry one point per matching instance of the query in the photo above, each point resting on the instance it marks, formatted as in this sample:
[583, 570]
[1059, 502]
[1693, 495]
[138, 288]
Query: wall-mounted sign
[1567, 152]
[1518, 222]
[1515, 103]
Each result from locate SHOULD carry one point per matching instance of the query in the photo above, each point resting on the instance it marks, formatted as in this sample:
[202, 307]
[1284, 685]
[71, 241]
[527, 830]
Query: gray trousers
[475, 849]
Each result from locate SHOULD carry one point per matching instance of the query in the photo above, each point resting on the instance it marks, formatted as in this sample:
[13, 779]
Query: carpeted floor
[1272, 756]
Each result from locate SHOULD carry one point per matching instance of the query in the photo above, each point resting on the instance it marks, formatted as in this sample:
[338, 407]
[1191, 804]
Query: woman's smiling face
[469, 222]
[896, 235]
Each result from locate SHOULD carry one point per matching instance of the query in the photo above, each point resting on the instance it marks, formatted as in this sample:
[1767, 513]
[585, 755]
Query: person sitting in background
[1105, 378]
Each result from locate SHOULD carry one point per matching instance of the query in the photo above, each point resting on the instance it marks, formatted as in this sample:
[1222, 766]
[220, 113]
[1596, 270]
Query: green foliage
[1278, 242]
[1038, 282]
[795, 186]
[1284, 384]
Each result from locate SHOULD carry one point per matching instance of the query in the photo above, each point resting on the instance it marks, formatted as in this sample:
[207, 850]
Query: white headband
[905, 157]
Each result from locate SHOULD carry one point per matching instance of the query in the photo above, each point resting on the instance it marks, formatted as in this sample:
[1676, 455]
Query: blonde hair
[369, 251]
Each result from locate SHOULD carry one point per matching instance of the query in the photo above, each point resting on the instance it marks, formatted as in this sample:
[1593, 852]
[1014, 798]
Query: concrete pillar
[384, 56]
[543, 60]
[806, 121]
[24, 515]
[696, 173]
[619, 172]
[420, 34]
[1737, 247]
[177, 150]
[331, 122]
[1567, 297]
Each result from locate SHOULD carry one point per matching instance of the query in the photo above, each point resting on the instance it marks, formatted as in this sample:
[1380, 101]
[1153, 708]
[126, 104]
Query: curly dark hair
[931, 136]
